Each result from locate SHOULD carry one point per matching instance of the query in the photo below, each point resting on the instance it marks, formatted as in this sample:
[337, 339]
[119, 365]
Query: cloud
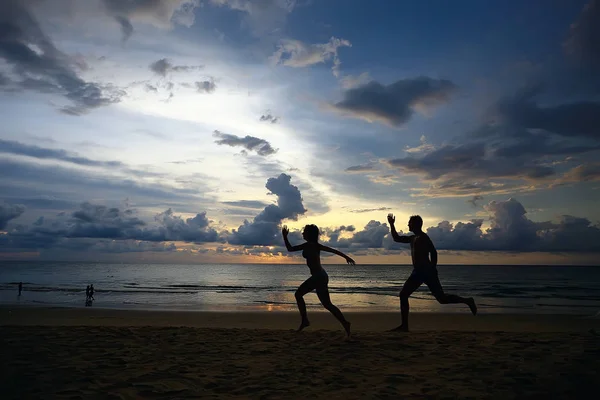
[584, 36]
[262, 17]
[370, 167]
[334, 233]
[366, 210]
[39, 66]
[245, 203]
[511, 230]
[350, 81]
[589, 172]
[424, 147]
[26, 180]
[473, 201]
[473, 169]
[370, 237]
[163, 66]
[264, 230]
[575, 119]
[9, 212]
[394, 104]
[269, 118]
[102, 222]
[160, 13]
[208, 86]
[250, 143]
[12, 147]
[294, 53]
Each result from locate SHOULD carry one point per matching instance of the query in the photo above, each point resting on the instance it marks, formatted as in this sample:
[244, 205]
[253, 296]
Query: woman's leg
[306, 287]
[323, 293]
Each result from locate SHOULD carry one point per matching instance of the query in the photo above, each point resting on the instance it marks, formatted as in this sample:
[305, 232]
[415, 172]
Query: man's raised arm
[395, 236]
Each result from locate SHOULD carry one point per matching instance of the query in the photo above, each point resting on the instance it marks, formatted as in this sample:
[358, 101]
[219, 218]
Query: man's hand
[391, 219]
[285, 231]
[350, 261]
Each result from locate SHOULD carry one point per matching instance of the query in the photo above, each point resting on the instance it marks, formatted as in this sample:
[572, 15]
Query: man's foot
[303, 325]
[346, 325]
[472, 305]
[401, 328]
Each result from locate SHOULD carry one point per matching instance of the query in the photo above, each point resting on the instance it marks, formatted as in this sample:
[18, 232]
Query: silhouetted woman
[311, 250]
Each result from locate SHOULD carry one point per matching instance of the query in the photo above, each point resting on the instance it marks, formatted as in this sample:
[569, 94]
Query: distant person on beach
[424, 269]
[20, 288]
[87, 292]
[92, 292]
[311, 251]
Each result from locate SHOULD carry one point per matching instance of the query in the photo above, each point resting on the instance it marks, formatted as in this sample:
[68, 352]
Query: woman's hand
[285, 231]
[350, 261]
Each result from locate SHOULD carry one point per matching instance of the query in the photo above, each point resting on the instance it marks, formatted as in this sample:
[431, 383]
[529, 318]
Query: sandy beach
[95, 353]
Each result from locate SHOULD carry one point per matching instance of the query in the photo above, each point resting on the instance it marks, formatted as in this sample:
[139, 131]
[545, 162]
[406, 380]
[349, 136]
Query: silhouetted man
[20, 288]
[424, 269]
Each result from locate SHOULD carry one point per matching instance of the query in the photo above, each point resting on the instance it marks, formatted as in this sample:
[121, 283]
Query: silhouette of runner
[20, 288]
[311, 251]
[424, 269]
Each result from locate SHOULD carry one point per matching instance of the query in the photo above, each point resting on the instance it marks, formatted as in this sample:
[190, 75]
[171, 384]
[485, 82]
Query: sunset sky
[191, 130]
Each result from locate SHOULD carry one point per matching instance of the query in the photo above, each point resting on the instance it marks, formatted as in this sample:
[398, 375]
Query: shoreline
[375, 321]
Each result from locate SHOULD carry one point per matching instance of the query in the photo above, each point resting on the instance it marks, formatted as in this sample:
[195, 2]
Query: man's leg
[412, 283]
[433, 282]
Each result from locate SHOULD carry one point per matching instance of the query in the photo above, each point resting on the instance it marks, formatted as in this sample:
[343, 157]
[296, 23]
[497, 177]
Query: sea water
[269, 287]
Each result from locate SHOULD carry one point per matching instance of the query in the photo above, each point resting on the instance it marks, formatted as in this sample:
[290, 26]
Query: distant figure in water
[20, 288]
[424, 269]
[88, 299]
[319, 279]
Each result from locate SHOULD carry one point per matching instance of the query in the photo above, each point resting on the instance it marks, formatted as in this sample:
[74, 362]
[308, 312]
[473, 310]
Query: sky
[191, 130]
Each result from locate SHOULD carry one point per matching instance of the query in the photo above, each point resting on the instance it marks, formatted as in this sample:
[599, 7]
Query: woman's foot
[401, 328]
[472, 305]
[303, 325]
[346, 325]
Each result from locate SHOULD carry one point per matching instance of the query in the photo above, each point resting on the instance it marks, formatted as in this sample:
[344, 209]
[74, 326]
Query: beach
[126, 354]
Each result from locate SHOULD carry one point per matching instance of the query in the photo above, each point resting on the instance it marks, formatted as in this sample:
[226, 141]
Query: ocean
[270, 287]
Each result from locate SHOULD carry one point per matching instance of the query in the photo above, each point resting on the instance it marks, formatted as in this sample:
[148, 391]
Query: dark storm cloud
[265, 227]
[163, 66]
[583, 40]
[40, 66]
[395, 104]
[466, 169]
[574, 119]
[250, 143]
[9, 212]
